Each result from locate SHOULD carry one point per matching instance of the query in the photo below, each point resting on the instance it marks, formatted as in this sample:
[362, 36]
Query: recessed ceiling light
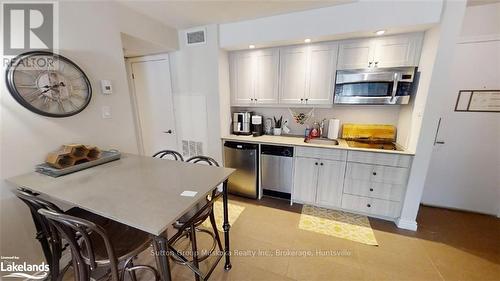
[251, 46]
[380, 32]
[307, 40]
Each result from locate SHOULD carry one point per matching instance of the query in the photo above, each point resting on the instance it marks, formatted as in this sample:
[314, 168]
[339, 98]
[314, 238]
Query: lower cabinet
[361, 182]
[318, 181]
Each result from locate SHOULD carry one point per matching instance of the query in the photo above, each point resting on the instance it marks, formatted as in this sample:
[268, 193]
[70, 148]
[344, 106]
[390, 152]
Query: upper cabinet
[390, 51]
[307, 74]
[304, 75]
[254, 77]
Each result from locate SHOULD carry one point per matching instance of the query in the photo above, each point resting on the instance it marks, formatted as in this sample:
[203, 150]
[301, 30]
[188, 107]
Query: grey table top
[142, 192]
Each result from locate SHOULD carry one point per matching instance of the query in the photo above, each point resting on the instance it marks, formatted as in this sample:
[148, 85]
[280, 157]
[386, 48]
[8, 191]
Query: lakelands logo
[28, 26]
[16, 269]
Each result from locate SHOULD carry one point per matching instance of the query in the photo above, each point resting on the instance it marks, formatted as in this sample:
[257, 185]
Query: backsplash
[367, 114]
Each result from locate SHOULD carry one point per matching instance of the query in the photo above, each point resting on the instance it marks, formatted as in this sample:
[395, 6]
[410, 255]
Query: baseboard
[407, 224]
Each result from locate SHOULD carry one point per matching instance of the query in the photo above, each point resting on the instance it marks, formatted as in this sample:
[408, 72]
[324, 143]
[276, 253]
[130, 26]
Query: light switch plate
[106, 112]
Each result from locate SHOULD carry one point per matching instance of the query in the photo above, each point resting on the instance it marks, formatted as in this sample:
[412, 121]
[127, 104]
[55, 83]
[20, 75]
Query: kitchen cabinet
[305, 180]
[307, 74]
[254, 77]
[390, 51]
[318, 181]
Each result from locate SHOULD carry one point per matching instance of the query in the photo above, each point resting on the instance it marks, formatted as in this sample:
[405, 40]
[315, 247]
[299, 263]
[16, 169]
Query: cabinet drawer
[376, 173]
[323, 153]
[371, 206]
[397, 160]
[378, 190]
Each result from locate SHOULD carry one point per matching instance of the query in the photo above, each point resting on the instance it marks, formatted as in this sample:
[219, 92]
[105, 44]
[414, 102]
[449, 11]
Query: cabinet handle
[368, 205]
[374, 173]
[321, 164]
[371, 189]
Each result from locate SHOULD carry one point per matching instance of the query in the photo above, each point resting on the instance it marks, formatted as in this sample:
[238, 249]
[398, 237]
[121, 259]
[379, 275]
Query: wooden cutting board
[368, 131]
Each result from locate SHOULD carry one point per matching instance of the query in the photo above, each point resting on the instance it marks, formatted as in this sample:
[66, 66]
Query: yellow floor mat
[234, 212]
[338, 224]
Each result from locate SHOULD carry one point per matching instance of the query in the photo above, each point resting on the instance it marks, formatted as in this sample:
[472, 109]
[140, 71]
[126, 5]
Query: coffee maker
[241, 123]
[257, 126]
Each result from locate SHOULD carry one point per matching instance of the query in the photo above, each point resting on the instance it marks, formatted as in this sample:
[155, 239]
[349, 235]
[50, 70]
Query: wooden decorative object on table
[72, 154]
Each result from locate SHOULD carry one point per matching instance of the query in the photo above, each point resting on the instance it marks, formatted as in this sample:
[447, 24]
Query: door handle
[168, 132]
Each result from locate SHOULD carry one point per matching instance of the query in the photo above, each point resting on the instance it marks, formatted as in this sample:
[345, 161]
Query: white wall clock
[48, 84]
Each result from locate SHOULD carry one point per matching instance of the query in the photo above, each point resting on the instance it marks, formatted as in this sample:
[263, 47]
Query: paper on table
[189, 193]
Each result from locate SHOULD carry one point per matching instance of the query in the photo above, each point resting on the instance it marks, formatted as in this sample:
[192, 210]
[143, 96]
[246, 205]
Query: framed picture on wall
[478, 101]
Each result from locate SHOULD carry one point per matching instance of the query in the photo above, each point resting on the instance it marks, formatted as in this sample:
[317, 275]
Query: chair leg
[194, 248]
[216, 231]
[133, 276]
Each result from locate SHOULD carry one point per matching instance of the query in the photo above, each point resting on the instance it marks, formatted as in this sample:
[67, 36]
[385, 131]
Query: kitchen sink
[323, 141]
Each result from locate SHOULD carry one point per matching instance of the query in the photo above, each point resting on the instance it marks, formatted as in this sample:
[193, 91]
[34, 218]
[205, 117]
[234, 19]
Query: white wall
[361, 18]
[436, 58]
[195, 78]
[464, 172]
[89, 34]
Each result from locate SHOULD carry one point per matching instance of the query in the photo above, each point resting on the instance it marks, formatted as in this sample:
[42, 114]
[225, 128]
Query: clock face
[48, 84]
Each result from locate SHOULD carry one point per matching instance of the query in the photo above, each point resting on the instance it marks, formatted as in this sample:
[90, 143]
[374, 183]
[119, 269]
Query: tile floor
[449, 245]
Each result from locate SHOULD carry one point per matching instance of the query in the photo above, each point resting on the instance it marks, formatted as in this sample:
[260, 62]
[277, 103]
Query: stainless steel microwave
[374, 86]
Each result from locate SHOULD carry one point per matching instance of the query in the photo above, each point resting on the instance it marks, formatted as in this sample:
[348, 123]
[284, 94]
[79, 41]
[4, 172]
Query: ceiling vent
[196, 36]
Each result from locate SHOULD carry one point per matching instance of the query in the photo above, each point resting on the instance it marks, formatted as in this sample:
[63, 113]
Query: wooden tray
[106, 156]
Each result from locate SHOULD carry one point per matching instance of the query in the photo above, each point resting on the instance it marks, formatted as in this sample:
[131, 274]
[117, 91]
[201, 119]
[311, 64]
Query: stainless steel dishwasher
[244, 158]
[277, 170]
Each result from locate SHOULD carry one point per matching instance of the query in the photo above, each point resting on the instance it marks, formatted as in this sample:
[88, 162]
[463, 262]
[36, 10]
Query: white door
[266, 76]
[355, 54]
[322, 68]
[466, 176]
[396, 51]
[293, 64]
[305, 179]
[330, 183]
[242, 69]
[153, 100]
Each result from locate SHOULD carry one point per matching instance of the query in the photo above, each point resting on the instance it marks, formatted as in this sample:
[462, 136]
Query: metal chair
[52, 246]
[164, 153]
[112, 247]
[189, 223]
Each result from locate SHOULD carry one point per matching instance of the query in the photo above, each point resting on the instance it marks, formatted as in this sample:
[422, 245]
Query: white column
[435, 64]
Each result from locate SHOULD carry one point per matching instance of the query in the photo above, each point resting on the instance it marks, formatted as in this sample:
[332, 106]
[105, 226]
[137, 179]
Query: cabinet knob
[368, 205]
[301, 99]
[376, 63]
[307, 100]
[371, 189]
[316, 163]
[374, 173]
[370, 64]
[255, 99]
[321, 164]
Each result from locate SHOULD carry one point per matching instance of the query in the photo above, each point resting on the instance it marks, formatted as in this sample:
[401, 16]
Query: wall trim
[478, 39]
[407, 224]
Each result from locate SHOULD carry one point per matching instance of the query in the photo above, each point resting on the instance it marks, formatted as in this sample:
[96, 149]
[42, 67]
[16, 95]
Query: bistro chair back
[169, 153]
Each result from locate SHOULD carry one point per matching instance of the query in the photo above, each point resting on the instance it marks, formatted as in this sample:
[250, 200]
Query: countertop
[299, 141]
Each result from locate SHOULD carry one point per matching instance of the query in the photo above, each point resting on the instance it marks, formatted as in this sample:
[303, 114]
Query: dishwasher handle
[240, 145]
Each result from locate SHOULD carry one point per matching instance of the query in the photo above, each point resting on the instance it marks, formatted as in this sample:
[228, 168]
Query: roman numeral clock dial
[48, 84]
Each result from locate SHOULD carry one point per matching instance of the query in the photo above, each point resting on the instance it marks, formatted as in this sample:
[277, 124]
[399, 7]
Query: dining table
[146, 193]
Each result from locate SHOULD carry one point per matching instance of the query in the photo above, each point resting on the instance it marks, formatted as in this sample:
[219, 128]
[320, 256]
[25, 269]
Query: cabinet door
[330, 183]
[242, 69]
[305, 180]
[395, 51]
[355, 54]
[266, 76]
[293, 65]
[322, 67]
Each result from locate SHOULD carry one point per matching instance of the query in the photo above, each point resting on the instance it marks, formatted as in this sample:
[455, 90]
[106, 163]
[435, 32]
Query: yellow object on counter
[368, 131]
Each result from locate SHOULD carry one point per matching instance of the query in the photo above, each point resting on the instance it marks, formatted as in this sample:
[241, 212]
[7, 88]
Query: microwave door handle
[394, 88]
